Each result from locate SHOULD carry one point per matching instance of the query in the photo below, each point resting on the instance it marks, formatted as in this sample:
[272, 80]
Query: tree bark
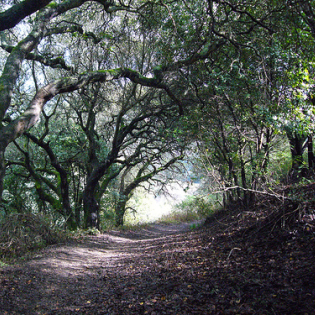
[29, 118]
[63, 186]
[90, 204]
[18, 12]
[120, 210]
[310, 152]
[296, 146]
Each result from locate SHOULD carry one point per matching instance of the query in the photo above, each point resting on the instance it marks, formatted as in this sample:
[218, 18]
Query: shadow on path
[65, 278]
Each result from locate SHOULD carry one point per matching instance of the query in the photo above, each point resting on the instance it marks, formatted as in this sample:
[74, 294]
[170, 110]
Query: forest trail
[64, 279]
[165, 269]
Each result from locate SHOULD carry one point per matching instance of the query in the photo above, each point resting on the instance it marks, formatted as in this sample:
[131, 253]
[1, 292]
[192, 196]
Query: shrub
[24, 232]
[191, 209]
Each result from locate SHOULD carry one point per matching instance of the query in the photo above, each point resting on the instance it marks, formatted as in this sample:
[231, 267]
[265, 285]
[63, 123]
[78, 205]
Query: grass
[178, 217]
[190, 209]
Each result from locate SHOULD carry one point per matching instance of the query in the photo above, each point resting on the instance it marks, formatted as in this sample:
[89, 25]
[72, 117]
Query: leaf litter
[232, 265]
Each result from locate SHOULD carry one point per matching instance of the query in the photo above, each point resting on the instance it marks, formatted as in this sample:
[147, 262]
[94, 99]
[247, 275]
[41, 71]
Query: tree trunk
[296, 147]
[120, 210]
[90, 204]
[71, 220]
[2, 170]
[310, 152]
[78, 209]
[90, 208]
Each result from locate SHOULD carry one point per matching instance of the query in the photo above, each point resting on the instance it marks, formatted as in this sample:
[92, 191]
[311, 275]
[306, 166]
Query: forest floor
[222, 268]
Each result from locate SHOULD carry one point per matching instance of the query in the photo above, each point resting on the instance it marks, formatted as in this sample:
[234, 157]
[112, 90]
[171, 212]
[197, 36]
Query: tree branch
[53, 63]
[29, 118]
[278, 196]
[13, 64]
[18, 12]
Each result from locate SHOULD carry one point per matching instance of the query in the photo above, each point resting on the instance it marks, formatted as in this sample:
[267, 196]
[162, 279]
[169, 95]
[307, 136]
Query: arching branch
[29, 118]
[58, 62]
[18, 12]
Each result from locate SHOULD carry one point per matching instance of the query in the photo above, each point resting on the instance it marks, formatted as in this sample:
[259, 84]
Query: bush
[191, 209]
[21, 233]
[107, 220]
[199, 207]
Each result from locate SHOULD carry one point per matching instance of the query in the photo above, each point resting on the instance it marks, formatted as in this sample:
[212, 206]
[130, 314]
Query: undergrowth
[190, 209]
[21, 233]
[288, 210]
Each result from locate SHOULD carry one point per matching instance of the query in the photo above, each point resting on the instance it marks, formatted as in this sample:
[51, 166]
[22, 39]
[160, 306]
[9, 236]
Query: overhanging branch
[53, 63]
[18, 12]
[273, 194]
[29, 118]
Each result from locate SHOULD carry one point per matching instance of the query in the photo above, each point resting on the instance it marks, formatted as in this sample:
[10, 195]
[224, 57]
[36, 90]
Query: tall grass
[190, 209]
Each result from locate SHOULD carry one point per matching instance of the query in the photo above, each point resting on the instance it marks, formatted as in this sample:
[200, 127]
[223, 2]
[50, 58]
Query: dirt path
[65, 279]
[166, 269]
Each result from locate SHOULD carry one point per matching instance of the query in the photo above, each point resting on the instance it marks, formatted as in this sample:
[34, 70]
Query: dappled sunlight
[80, 269]
[185, 127]
[168, 271]
[102, 251]
[72, 261]
[150, 208]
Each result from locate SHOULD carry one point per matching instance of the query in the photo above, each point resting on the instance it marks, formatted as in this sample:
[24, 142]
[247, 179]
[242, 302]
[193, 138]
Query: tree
[242, 91]
[46, 27]
[122, 64]
[159, 151]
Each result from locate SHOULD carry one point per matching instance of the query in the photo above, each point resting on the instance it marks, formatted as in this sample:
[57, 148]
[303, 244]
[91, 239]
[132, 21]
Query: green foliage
[255, 84]
[280, 163]
[195, 226]
[202, 206]
[191, 209]
[92, 231]
[19, 195]
[52, 4]
[3, 264]
[107, 218]
[140, 208]
[178, 216]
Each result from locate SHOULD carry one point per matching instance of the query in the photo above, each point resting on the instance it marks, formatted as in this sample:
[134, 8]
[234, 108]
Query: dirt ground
[167, 269]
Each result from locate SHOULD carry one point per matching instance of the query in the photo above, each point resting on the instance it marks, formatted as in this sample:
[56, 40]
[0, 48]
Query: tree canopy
[95, 94]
